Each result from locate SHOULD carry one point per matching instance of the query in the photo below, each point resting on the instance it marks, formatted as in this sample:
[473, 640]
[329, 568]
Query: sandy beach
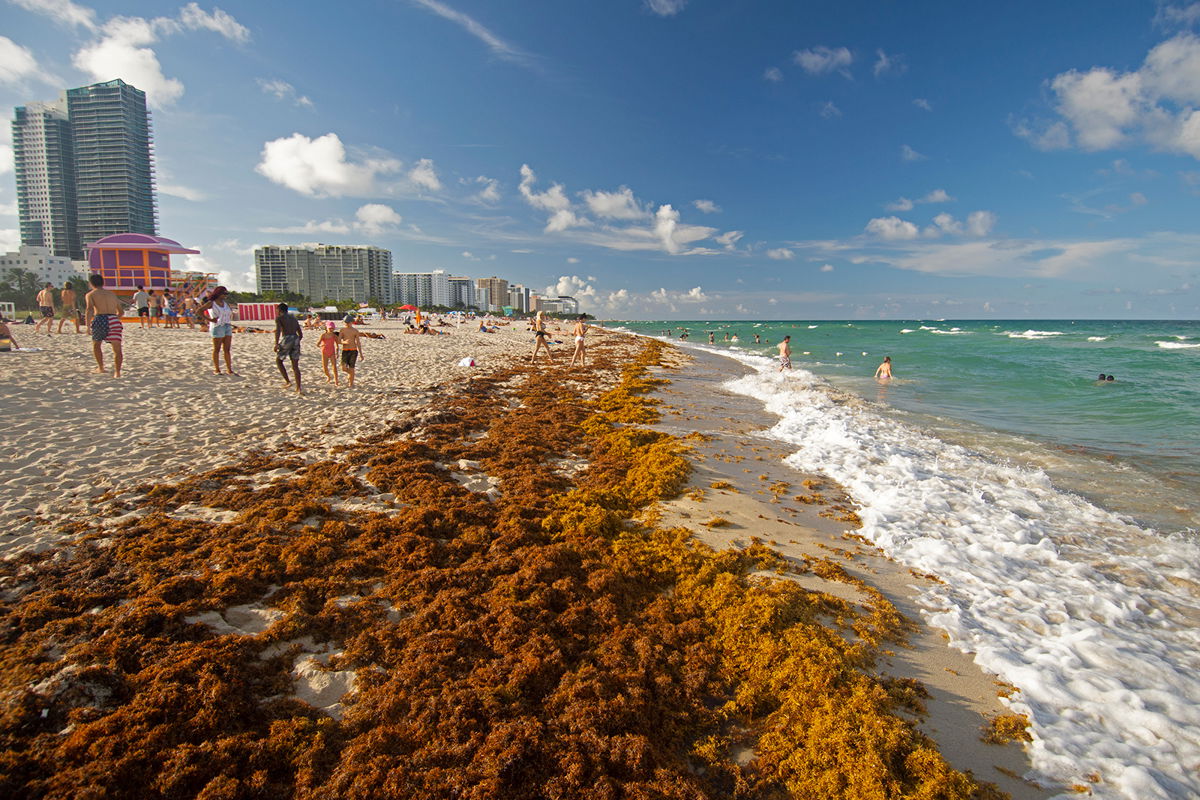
[423, 583]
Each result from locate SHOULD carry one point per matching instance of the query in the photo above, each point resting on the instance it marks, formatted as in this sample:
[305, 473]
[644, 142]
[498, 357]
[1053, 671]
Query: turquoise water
[1023, 391]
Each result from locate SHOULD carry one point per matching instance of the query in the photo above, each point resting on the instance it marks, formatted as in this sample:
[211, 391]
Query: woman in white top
[220, 325]
[580, 332]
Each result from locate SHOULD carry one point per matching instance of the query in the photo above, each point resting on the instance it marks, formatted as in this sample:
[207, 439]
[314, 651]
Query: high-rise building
[84, 168]
[326, 272]
[518, 297]
[497, 292]
[421, 289]
[462, 293]
[114, 163]
[44, 161]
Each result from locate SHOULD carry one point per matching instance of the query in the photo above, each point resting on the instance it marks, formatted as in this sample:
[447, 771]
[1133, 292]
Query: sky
[671, 159]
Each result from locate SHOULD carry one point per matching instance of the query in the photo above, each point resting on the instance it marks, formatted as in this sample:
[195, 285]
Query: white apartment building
[421, 289]
[462, 293]
[48, 267]
[326, 272]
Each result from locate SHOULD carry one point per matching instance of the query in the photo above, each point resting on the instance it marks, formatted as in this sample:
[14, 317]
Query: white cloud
[1170, 16]
[62, 11]
[490, 193]
[498, 46]
[17, 65]
[282, 90]
[554, 200]
[706, 206]
[425, 176]
[10, 240]
[820, 60]
[773, 74]
[908, 154]
[827, 268]
[937, 196]
[665, 8]
[885, 64]
[829, 110]
[620, 204]
[780, 254]
[923, 104]
[573, 260]
[1138, 199]
[123, 48]
[184, 192]
[729, 239]
[944, 223]
[319, 168]
[572, 286]
[903, 204]
[195, 18]
[666, 220]
[1104, 108]
[122, 51]
[980, 223]
[892, 228]
[374, 219]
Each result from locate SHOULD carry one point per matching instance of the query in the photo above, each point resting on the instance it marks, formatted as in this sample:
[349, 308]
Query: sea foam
[1092, 618]
[1178, 345]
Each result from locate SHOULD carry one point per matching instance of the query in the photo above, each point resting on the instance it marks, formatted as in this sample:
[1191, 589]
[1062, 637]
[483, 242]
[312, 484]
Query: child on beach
[328, 345]
[351, 341]
[287, 344]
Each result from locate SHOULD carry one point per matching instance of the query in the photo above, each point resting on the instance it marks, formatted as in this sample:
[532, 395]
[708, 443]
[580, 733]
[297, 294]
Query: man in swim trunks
[287, 344]
[785, 353]
[351, 341]
[70, 308]
[45, 301]
[103, 310]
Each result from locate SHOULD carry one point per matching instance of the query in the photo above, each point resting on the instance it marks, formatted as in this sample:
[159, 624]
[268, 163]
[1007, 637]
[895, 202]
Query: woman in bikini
[541, 338]
[580, 332]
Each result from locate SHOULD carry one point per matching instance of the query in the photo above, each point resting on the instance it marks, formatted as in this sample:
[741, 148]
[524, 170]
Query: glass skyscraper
[114, 164]
[85, 167]
[44, 157]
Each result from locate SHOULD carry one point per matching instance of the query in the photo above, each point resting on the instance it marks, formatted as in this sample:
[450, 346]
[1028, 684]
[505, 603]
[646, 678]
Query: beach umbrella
[407, 307]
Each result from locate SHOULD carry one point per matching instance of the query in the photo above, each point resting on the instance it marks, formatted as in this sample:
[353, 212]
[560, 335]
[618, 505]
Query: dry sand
[70, 434]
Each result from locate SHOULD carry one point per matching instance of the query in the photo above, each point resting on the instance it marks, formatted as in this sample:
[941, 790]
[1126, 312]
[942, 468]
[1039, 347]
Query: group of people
[541, 339]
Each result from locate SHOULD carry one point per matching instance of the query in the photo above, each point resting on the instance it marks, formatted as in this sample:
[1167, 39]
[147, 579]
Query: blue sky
[672, 158]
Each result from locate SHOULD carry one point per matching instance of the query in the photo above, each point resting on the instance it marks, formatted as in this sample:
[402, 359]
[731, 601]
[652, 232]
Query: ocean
[1062, 513]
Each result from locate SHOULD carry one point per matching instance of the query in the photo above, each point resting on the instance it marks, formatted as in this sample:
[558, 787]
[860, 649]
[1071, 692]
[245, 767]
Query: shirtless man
[785, 353]
[45, 301]
[141, 302]
[351, 341]
[884, 371]
[103, 310]
[69, 307]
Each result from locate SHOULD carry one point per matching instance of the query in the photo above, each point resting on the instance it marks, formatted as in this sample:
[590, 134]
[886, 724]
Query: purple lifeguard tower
[129, 260]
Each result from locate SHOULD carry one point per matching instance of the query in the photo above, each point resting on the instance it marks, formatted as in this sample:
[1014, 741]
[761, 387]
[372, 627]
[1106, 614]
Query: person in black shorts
[287, 344]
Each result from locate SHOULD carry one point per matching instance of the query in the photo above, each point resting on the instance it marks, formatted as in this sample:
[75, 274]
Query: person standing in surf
[785, 353]
[884, 370]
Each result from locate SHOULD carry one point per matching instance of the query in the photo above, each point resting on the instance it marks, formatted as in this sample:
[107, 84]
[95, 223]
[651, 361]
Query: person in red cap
[220, 325]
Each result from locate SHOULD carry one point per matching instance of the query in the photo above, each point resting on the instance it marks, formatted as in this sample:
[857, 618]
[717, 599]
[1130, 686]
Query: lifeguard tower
[129, 260]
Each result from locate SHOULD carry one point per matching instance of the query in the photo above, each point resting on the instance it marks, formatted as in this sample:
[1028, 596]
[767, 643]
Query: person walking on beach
[884, 371]
[580, 332]
[785, 353]
[541, 338]
[328, 344]
[70, 307]
[45, 301]
[141, 301]
[220, 327]
[103, 319]
[351, 341]
[287, 344]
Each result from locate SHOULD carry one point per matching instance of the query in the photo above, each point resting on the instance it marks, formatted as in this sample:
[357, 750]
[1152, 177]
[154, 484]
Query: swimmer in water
[884, 370]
